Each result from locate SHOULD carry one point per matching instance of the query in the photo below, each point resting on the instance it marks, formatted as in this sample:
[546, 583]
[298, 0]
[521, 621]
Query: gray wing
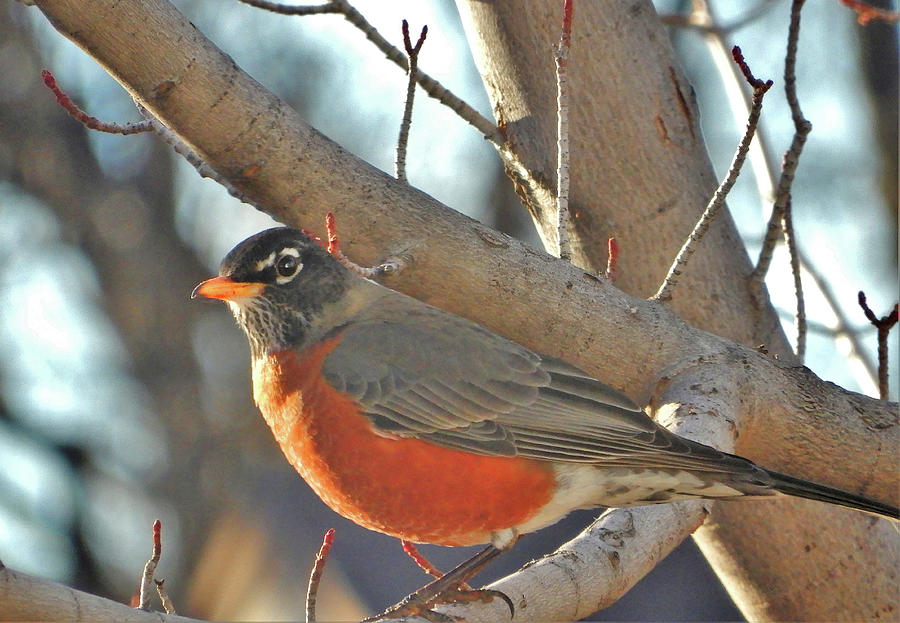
[443, 379]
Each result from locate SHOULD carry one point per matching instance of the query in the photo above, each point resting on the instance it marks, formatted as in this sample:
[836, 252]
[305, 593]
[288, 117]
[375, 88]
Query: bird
[421, 424]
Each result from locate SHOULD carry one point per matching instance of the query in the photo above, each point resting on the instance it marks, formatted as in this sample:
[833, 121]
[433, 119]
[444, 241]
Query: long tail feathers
[812, 491]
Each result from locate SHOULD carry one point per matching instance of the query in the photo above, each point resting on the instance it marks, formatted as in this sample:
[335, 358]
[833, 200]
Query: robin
[420, 424]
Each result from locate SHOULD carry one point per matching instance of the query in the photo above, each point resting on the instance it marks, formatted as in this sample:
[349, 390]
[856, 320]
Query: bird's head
[276, 284]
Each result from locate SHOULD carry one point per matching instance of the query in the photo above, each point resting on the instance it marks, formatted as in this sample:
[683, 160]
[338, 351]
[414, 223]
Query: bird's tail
[812, 491]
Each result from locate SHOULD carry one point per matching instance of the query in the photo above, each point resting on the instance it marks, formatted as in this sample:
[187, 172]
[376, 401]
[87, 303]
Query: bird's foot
[415, 605]
[447, 589]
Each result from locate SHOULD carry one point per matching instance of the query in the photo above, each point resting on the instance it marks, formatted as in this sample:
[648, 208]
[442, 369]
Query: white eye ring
[287, 265]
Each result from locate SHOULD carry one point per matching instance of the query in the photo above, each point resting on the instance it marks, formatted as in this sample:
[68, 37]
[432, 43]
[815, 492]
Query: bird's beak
[225, 289]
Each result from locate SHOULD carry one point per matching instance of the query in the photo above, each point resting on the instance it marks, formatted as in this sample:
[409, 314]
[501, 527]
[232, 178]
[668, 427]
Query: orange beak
[225, 289]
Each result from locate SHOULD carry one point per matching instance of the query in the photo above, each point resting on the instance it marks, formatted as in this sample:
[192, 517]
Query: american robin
[420, 424]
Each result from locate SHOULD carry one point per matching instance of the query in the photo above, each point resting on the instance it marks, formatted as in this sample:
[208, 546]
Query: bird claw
[413, 606]
[449, 588]
[483, 595]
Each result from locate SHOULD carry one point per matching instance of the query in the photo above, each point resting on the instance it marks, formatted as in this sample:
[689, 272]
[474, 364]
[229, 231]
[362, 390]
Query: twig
[168, 606]
[755, 83]
[819, 328]
[800, 311]
[192, 157]
[738, 97]
[843, 326]
[390, 266]
[87, 120]
[316, 576]
[432, 87]
[412, 51]
[286, 9]
[718, 199]
[149, 124]
[764, 170]
[884, 326]
[147, 583]
[612, 258]
[779, 223]
[562, 133]
[865, 13]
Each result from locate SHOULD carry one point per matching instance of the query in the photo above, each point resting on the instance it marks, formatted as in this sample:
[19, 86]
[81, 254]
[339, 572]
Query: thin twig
[147, 583]
[800, 310]
[737, 95]
[843, 325]
[764, 171]
[562, 133]
[149, 124]
[87, 120]
[182, 149]
[390, 266]
[814, 326]
[865, 13]
[612, 258]
[718, 199]
[286, 9]
[884, 326]
[778, 222]
[412, 52]
[316, 576]
[168, 606]
[432, 87]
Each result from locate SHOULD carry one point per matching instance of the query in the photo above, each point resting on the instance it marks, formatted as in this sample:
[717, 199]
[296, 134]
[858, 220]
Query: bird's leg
[445, 589]
[424, 564]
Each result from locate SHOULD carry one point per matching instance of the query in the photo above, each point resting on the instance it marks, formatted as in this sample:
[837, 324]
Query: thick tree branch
[26, 598]
[592, 570]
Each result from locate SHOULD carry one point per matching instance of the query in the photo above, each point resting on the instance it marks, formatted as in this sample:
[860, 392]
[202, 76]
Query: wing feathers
[444, 380]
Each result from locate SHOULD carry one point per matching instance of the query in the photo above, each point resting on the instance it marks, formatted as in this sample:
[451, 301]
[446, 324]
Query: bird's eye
[287, 265]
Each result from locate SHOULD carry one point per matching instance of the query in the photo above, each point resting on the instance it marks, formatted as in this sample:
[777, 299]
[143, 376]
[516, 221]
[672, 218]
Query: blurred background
[122, 401]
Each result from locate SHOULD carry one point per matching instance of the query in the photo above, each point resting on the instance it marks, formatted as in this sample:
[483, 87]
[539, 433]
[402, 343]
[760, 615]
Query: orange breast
[407, 488]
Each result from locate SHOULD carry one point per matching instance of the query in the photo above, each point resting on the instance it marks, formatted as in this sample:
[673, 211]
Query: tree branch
[780, 222]
[431, 86]
[316, 575]
[564, 250]
[884, 326]
[26, 598]
[764, 166]
[717, 202]
[412, 53]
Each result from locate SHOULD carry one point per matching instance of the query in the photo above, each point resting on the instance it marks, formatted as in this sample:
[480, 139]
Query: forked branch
[884, 326]
[781, 222]
[703, 18]
[431, 86]
[412, 52]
